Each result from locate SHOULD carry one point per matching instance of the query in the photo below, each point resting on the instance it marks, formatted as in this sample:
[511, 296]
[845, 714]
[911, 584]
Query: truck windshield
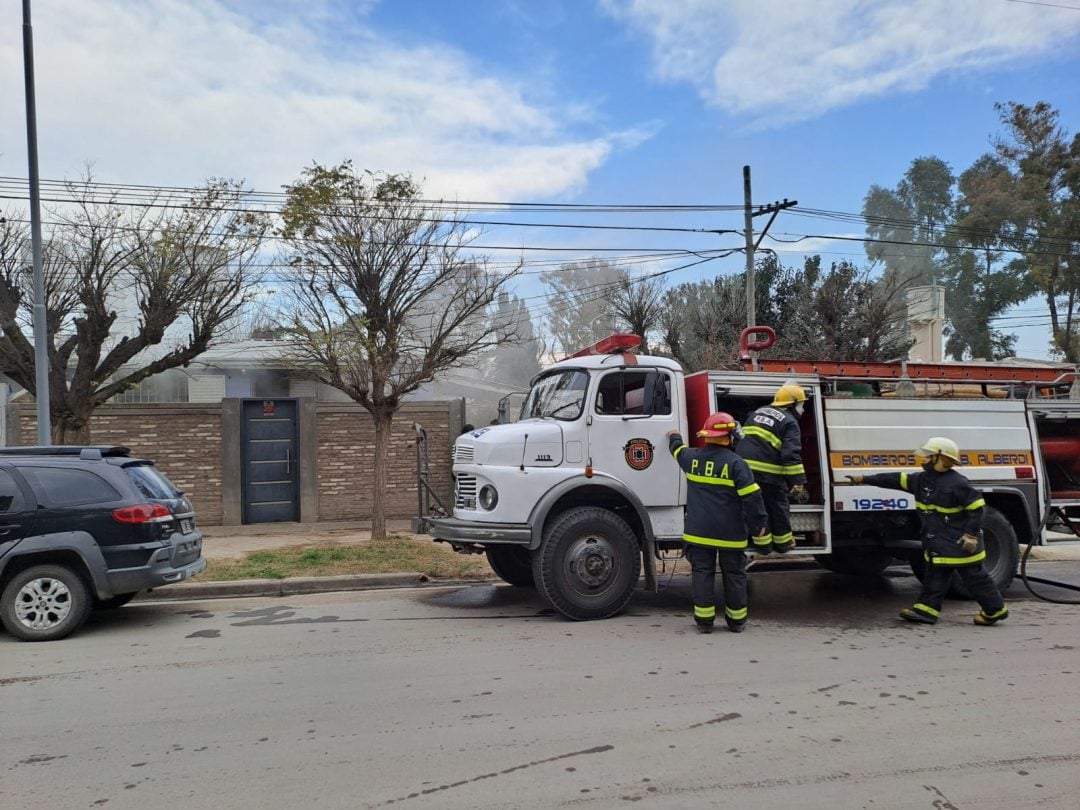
[560, 395]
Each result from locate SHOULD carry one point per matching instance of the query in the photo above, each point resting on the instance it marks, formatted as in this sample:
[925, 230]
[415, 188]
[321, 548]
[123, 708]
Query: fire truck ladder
[1056, 377]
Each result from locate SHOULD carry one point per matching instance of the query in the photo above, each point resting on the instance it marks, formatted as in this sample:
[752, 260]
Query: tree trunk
[383, 421]
[71, 429]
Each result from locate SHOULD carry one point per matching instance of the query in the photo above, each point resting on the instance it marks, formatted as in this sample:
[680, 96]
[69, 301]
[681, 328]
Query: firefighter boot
[736, 626]
[703, 627]
[986, 619]
[920, 614]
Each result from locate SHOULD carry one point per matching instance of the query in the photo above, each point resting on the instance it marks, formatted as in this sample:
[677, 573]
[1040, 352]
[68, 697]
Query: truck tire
[44, 603]
[588, 563]
[863, 562]
[1002, 552]
[512, 564]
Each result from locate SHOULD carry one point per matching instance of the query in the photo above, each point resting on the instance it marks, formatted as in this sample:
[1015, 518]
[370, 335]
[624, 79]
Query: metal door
[270, 470]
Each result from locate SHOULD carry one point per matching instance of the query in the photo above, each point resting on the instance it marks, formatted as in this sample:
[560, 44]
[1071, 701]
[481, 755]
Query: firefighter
[772, 446]
[950, 513]
[723, 507]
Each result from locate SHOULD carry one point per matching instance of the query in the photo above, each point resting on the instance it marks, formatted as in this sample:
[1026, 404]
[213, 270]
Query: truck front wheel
[588, 564]
[511, 564]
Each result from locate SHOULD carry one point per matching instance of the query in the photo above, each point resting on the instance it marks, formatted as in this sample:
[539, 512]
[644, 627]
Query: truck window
[631, 393]
[560, 395]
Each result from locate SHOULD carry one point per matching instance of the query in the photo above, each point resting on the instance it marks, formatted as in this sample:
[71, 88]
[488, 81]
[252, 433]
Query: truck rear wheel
[1002, 552]
[512, 564]
[588, 564]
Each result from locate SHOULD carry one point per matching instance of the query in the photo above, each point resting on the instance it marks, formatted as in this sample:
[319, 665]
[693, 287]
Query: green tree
[129, 292]
[384, 294]
[1045, 167]
[906, 222]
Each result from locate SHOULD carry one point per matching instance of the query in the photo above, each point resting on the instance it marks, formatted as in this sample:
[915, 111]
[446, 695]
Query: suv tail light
[142, 513]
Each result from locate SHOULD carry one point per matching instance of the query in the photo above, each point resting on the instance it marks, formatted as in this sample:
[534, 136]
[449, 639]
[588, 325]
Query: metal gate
[270, 469]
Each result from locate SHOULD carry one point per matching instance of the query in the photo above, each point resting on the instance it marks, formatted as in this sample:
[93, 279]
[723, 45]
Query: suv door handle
[7, 528]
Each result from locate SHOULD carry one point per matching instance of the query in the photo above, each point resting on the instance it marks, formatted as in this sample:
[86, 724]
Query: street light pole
[41, 333]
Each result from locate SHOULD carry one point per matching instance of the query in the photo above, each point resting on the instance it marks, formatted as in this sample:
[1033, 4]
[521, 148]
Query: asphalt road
[477, 697]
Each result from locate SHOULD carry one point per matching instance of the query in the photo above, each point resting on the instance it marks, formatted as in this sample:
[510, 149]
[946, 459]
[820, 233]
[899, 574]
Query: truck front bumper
[471, 531]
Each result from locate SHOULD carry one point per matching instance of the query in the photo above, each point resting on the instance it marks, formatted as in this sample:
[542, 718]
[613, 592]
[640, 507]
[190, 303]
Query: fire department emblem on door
[638, 453]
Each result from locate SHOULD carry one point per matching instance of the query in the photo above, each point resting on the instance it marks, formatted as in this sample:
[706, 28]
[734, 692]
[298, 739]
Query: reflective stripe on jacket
[723, 504]
[949, 507]
[772, 445]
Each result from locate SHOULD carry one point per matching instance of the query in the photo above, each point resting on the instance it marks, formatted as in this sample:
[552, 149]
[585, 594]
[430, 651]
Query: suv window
[151, 483]
[626, 392]
[61, 486]
[11, 499]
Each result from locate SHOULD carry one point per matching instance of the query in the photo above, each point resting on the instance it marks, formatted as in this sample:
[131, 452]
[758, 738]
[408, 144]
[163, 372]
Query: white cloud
[783, 60]
[174, 91]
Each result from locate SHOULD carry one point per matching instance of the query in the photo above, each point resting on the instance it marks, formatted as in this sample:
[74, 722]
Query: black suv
[84, 528]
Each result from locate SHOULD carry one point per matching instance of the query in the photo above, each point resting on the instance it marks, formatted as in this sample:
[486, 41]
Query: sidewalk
[235, 542]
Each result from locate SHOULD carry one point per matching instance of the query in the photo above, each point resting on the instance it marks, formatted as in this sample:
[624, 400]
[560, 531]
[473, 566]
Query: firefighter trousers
[778, 508]
[935, 586]
[703, 561]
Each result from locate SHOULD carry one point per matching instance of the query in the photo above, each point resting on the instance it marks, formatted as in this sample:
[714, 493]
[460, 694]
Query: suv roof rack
[88, 452]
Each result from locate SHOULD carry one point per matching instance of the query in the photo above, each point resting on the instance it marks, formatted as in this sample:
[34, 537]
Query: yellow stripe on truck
[893, 458]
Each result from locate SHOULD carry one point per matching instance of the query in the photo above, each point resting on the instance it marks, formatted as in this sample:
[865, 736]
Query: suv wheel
[44, 603]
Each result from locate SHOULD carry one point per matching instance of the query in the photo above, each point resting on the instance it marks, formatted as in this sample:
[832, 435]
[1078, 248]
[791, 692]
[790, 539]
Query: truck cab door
[630, 416]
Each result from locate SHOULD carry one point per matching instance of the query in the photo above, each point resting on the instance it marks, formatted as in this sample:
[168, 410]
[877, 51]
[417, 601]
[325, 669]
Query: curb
[291, 586]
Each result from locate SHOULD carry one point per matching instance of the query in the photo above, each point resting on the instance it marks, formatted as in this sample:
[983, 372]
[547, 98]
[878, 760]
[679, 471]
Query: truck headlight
[489, 497]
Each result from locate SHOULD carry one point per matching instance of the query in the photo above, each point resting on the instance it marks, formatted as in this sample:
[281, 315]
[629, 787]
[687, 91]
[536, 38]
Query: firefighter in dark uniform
[723, 506]
[772, 446]
[950, 512]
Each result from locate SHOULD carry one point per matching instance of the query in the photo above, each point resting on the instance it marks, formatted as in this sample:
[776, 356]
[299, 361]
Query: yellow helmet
[940, 446]
[788, 393]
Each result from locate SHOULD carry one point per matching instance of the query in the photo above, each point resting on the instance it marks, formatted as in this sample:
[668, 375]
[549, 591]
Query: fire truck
[580, 497]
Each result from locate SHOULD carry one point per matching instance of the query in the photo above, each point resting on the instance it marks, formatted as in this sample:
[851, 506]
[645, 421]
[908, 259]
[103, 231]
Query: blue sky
[570, 101]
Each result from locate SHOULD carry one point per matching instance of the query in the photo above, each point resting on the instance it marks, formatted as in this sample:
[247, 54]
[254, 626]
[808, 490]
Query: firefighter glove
[799, 494]
[969, 543]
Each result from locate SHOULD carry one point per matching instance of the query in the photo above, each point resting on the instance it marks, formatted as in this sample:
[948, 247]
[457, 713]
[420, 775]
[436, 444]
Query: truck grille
[466, 492]
[463, 452]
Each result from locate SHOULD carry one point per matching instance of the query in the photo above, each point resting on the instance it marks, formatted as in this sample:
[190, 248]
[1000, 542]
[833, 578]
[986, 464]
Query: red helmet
[717, 425]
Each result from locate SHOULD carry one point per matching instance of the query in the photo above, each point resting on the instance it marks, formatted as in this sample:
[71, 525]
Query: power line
[1048, 5]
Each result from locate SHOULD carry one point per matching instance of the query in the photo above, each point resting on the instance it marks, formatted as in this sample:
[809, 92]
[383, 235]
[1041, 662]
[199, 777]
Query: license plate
[187, 525]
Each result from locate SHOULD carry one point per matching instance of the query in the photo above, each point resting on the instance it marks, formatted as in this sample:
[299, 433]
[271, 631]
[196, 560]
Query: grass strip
[397, 553]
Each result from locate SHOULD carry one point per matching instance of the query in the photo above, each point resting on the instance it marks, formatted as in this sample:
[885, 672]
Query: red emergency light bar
[612, 344]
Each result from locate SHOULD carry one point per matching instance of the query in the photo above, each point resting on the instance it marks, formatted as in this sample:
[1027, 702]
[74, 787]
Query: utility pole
[751, 245]
[748, 226]
[41, 334]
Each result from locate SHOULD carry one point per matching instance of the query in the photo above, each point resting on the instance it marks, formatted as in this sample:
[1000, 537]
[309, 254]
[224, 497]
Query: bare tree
[579, 302]
[639, 303]
[129, 292]
[383, 297]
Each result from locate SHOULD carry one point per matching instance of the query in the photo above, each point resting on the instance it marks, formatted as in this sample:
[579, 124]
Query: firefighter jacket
[772, 446]
[949, 507]
[723, 504]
